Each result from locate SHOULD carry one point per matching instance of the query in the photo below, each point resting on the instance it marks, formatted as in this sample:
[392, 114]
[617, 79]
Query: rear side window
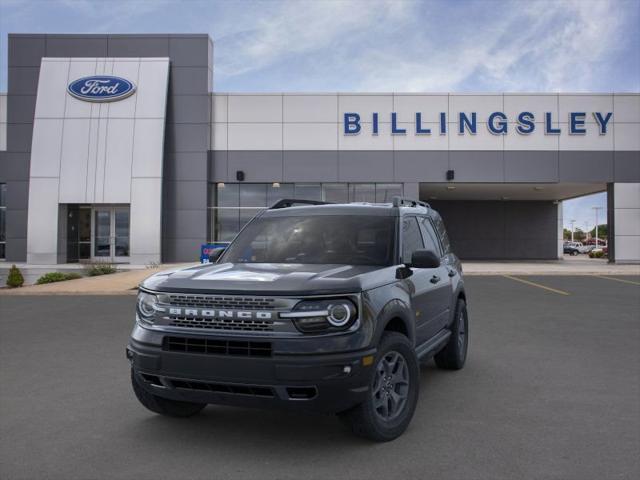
[411, 238]
[442, 233]
[430, 237]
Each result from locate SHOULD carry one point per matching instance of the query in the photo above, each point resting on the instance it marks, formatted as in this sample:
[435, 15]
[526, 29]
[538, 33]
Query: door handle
[435, 279]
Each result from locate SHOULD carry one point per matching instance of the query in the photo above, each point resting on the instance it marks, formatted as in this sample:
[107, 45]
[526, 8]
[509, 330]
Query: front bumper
[321, 382]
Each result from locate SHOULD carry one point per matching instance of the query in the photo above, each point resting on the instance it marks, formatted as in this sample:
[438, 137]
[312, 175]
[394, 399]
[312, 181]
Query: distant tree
[578, 235]
[566, 234]
[603, 231]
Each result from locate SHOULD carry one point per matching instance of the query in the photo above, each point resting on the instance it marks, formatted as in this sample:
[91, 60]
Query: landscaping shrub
[52, 277]
[596, 254]
[100, 269]
[15, 278]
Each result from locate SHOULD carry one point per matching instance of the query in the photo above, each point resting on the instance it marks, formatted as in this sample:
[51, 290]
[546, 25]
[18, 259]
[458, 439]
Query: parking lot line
[534, 284]
[618, 279]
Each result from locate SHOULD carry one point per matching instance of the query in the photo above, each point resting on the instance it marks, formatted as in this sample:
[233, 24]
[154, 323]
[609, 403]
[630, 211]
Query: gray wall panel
[182, 249]
[16, 223]
[188, 80]
[477, 166]
[586, 166]
[258, 166]
[365, 166]
[218, 164]
[189, 51]
[16, 250]
[186, 137]
[16, 167]
[309, 166]
[185, 166]
[428, 165]
[17, 195]
[184, 223]
[626, 166]
[138, 46]
[26, 50]
[529, 166]
[501, 230]
[76, 46]
[23, 80]
[188, 109]
[22, 108]
[19, 137]
[185, 195]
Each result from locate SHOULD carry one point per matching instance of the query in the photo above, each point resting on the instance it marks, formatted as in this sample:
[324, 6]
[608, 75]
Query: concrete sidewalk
[124, 282]
[581, 265]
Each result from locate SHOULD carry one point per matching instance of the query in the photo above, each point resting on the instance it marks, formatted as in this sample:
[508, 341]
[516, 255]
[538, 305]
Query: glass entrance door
[111, 234]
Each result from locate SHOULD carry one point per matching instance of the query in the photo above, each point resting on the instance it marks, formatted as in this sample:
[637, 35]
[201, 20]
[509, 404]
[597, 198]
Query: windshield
[330, 239]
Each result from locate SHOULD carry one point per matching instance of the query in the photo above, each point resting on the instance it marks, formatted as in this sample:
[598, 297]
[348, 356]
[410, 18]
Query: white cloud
[408, 46]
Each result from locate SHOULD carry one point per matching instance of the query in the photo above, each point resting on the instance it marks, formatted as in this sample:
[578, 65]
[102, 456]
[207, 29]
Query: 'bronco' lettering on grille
[194, 312]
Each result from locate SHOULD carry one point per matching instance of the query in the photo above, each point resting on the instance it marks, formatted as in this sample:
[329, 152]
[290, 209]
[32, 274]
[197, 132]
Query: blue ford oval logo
[101, 88]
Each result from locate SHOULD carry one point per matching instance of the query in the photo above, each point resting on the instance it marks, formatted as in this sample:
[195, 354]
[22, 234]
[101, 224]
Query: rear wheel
[393, 392]
[454, 354]
[163, 406]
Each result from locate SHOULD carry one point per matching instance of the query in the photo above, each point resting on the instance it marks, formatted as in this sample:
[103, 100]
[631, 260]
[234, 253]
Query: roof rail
[290, 202]
[401, 201]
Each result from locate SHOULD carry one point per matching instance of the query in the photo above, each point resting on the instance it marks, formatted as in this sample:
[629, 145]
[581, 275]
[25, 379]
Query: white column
[626, 210]
[560, 236]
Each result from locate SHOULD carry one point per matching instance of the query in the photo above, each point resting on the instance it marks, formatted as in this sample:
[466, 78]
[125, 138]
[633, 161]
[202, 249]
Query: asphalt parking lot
[551, 390]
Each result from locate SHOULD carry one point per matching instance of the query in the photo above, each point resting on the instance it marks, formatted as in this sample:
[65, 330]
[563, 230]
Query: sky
[378, 45]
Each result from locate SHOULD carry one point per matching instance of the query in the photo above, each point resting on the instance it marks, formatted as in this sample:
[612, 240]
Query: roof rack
[290, 202]
[401, 201]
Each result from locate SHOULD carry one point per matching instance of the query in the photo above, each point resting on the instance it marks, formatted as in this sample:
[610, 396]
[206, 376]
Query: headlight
[314, 316]
[146, 305]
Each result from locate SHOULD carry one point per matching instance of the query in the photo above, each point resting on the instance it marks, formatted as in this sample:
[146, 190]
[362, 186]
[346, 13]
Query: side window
[429, 235]
[411, 238]
[442, 233]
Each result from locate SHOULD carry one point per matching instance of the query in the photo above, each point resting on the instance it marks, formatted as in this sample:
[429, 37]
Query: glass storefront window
[335, 192]
[232, 205]
[308, 191]
[362, 192]
[279, 191]
[386, 191]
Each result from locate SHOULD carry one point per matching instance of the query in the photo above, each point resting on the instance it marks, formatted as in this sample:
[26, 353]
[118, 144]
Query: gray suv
[313, 306]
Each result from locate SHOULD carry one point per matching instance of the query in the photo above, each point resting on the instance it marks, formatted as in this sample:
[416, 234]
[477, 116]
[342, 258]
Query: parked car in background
[572, 248]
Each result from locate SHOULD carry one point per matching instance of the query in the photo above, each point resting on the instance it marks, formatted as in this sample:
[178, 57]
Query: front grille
[232, 324]
[221, 302]
[254, 390]
[217, 347]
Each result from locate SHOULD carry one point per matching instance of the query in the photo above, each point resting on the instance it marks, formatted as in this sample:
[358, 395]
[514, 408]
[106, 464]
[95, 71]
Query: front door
[110, 228]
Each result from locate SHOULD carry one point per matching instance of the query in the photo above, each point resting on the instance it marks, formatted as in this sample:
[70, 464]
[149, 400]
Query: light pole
[572, 228]
[596, 209]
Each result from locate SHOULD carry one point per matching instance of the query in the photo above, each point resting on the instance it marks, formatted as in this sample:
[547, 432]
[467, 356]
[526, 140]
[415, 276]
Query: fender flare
[395, 309]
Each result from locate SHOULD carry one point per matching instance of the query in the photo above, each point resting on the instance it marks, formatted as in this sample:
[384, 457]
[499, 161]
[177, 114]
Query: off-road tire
[364, 419]
[454, 354]
[164, 406]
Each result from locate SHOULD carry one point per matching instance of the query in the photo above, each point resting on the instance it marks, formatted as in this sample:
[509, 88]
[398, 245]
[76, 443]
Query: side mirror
[424, 259]
[215, 254]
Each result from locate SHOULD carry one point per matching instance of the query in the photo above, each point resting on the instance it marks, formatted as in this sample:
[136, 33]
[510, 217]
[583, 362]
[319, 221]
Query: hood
[271, 279]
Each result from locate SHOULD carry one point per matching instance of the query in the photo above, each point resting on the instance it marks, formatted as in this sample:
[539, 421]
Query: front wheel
[393, 392]
[163, 406]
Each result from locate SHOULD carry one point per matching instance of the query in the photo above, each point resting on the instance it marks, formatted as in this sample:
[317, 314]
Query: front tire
[393, 393]
[454, 354]
[163, 406]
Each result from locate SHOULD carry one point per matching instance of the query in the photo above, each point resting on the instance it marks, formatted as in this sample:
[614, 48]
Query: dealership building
[118, 148]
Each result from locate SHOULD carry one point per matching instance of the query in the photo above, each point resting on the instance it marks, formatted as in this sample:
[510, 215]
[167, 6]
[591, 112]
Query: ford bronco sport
[313, 306]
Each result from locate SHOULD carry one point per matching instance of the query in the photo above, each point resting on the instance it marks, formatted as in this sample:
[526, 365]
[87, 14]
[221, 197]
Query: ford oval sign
[101, 88]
